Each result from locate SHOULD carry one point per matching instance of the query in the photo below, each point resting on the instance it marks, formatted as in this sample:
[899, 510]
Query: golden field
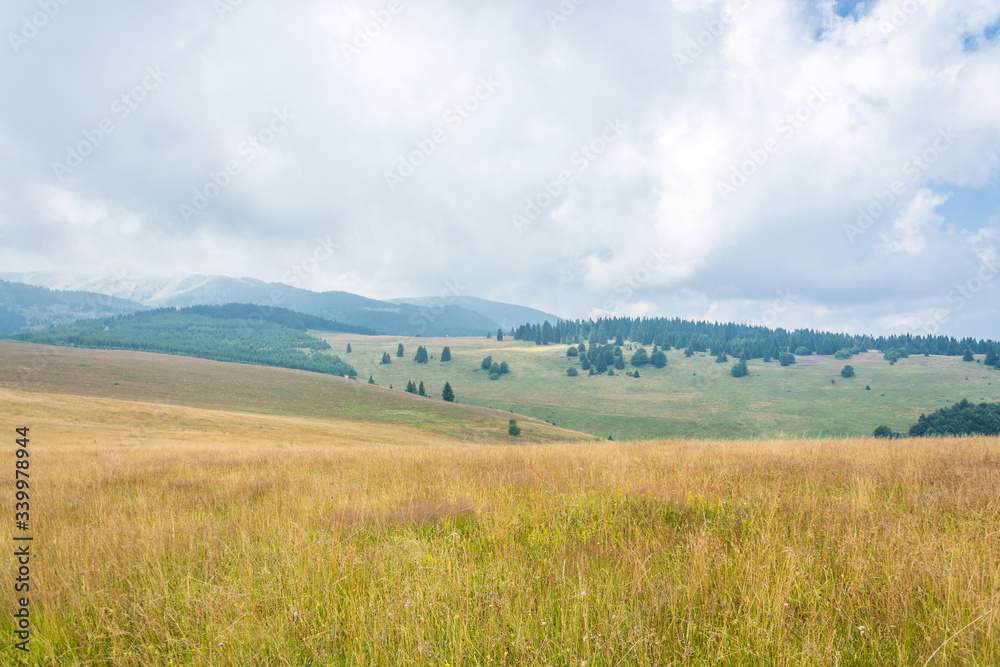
[177, 535]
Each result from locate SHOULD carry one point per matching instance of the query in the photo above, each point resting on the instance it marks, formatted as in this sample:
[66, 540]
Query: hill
[506, 315]
[174, 535]
[28, 307]
[380, 316]
[691, 397]
[235, 332]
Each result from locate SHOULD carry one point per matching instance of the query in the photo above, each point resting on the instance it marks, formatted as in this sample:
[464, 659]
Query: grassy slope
[173, 535]
[690, 397]
[173, 380]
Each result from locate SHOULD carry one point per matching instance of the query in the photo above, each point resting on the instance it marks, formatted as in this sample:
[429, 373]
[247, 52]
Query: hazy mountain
[505, 314]
[29, 307]
[382, 316]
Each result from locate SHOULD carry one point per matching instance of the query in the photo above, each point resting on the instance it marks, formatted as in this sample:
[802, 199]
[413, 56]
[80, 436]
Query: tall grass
[212, 538]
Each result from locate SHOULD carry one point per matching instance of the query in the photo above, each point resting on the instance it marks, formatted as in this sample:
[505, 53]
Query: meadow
[689, 398]
[166, 534]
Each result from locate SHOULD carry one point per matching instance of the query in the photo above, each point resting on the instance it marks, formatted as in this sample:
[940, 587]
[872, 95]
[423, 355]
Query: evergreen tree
[786, 359]
[640, 357]
[446, 354]
[739, 369]
[585, 363]
[991, 357]
[847, 372]
[513, 429]
[371, 380]
[504, 368]
[348, 348]
[968, 355]
[658, 359]
[410, 387]
[447, 394]
[620, 362]
[619, 339]
[495, 369]
[572, 372]
[689, 351]
[499, 334]
[722, 358]
[487, 363]
[421, 356]
[399, 350]
[386, 359]
[572, 351]
[420, 390]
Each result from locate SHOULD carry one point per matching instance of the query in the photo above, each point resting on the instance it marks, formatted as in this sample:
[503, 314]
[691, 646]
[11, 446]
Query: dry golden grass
[188, 536]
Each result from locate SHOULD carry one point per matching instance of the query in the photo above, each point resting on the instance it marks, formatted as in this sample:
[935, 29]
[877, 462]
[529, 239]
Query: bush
[802, 351]
[658, 359]
[640, 357]
[739, 369]
[494, 376]
[611, 371]
[572, 372]
[571, 351]
[513, 428]
[786, 359]
[843, 354]
[487, 362]
[885, 432]
[722, 358]
[847, 372]
[892, 356]
[504, 368]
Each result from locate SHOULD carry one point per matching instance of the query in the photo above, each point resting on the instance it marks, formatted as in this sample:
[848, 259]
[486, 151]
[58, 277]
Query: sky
[790, 163]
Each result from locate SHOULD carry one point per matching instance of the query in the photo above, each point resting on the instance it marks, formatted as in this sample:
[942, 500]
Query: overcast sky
[786, 162]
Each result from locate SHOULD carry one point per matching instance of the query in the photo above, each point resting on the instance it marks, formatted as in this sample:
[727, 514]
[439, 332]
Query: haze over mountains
[74, 298]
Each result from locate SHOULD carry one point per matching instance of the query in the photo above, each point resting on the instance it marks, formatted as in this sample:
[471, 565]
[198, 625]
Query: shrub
[786, 359]
[572, 372]
[487, 362]
[847, 372]
[843, 354]
[885, 432]
[640, 357]
[739, 369]
[802, 351]
[513, 428]
[494, 376]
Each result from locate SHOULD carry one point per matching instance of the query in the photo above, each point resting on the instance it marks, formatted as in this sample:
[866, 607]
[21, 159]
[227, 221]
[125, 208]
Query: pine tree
[420, 390]
[447, 394]
[487, 362]
[386, 359]
[348, 348]
[499, 334]
[739, 369]
[399, 350]
[446, 354]
[371, 380]
[504, 368]
[968, 355]
[410, 387]
[421, 356]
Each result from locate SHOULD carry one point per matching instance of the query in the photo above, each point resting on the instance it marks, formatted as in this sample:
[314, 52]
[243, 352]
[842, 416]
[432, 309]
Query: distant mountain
[381, 316]
[26, 307]
[506, 315]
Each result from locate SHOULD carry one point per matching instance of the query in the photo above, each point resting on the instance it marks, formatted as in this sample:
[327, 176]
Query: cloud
[756, 131]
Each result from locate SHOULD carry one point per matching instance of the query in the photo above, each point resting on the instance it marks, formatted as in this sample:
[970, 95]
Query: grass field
[174, 535]
[689, 398]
